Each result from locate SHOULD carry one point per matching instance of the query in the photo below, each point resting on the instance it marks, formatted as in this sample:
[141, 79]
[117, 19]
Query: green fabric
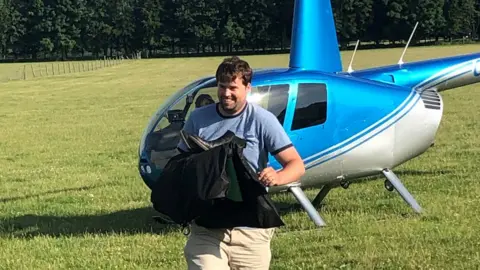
[233, 192]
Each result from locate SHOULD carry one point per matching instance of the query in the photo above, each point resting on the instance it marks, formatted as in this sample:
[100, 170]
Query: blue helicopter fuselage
[356, 112]
[389, 113]
[345, 125]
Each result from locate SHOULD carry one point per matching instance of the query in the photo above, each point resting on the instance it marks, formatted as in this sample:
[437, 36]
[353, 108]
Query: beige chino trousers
[212, 249]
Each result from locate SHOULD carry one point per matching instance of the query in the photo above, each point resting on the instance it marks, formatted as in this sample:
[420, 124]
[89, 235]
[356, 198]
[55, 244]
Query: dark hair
[203, 98]
[232, 67]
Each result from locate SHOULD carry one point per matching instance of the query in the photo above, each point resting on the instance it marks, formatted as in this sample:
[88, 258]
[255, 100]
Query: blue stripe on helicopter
[359, 142]
[447, 79]
[446, 76]
[476, 71]
[443, 73]
[379, 123]
[451, 78]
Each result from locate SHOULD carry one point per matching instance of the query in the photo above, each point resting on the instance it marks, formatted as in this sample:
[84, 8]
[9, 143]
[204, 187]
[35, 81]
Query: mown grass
[71, 196]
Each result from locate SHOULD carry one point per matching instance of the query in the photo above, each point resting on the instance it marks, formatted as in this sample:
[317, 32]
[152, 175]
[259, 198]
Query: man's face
[233, 96]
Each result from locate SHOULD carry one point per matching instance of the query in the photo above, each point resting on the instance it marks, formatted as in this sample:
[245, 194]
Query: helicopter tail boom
[439, 74]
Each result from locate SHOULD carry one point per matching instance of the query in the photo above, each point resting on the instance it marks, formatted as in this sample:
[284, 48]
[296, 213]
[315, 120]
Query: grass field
[28, 71]
[71, 196]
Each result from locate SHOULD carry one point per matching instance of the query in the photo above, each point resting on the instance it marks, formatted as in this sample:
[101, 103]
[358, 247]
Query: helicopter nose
[415, 133]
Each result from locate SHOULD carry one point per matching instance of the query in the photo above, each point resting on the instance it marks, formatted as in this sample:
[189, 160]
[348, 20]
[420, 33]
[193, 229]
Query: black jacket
[195, 186]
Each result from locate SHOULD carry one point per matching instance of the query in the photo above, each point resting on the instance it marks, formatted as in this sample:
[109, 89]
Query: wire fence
[14, 72]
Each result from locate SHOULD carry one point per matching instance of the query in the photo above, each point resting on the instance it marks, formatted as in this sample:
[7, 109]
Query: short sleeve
[275, 138]
[188, 128]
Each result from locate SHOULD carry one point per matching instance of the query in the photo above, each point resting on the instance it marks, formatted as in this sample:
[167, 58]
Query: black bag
[197, 184]
[188, 185]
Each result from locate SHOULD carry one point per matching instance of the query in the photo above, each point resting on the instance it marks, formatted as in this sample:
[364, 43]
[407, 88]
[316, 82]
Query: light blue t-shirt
[261, 130]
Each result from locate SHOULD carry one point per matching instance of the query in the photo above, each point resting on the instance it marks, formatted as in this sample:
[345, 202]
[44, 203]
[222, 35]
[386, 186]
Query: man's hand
[293, 169]
[269, 177]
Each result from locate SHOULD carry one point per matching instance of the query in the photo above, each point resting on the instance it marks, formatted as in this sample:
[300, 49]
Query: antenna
[353, 56]
[400, 62]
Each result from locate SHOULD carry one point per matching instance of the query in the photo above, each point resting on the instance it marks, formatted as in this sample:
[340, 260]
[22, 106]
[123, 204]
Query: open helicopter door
[162, 135]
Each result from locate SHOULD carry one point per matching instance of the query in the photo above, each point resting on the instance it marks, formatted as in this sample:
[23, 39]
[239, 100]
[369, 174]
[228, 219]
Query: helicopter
[346, 125]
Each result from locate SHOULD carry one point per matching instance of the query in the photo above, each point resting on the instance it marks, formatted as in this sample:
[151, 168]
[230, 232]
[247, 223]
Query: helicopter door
[166, 135]
[160, 140]
[307, 122]
[274, 98]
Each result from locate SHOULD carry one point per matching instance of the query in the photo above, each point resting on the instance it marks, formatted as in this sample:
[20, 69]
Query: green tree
[37, 20]
[148, 25]
[460, 18]
[4, 25]
[124, 25]
[477, 21]
[352, 18]
[429, 15]
[96, 27]
[66, 25]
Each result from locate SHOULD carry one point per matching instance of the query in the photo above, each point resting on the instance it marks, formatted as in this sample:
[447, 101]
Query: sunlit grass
[71, 196]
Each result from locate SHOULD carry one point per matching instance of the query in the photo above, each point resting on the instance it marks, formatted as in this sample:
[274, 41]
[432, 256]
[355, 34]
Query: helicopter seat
[204, 99]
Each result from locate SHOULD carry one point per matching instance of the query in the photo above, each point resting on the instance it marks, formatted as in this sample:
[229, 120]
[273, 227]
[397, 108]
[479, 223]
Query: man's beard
[229, 105]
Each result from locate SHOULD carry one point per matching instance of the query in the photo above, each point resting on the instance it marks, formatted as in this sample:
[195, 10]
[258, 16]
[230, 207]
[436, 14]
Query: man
[209, 247]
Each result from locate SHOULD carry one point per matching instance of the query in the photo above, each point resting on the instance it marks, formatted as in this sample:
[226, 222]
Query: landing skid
[394, 182]
[307, 205]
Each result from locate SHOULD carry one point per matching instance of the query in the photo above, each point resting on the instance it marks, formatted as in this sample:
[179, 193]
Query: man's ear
[249, 87]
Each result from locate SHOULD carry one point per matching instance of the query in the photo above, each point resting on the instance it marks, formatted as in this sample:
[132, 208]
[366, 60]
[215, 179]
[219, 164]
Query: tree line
[62, 29]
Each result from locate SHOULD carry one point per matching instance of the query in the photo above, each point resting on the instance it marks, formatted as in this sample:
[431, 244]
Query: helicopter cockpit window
[203, 99]
[161, 144]
[180, 111]
[206, 96]
[174, 115]
[311, 107]
[274, 98]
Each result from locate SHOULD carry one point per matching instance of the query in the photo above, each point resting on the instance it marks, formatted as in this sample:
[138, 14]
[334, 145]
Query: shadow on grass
[133, 221]
[126, 222]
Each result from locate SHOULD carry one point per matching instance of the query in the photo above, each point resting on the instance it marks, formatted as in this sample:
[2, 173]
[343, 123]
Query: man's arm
[280, 146]
[293, 166]
[293, 169]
